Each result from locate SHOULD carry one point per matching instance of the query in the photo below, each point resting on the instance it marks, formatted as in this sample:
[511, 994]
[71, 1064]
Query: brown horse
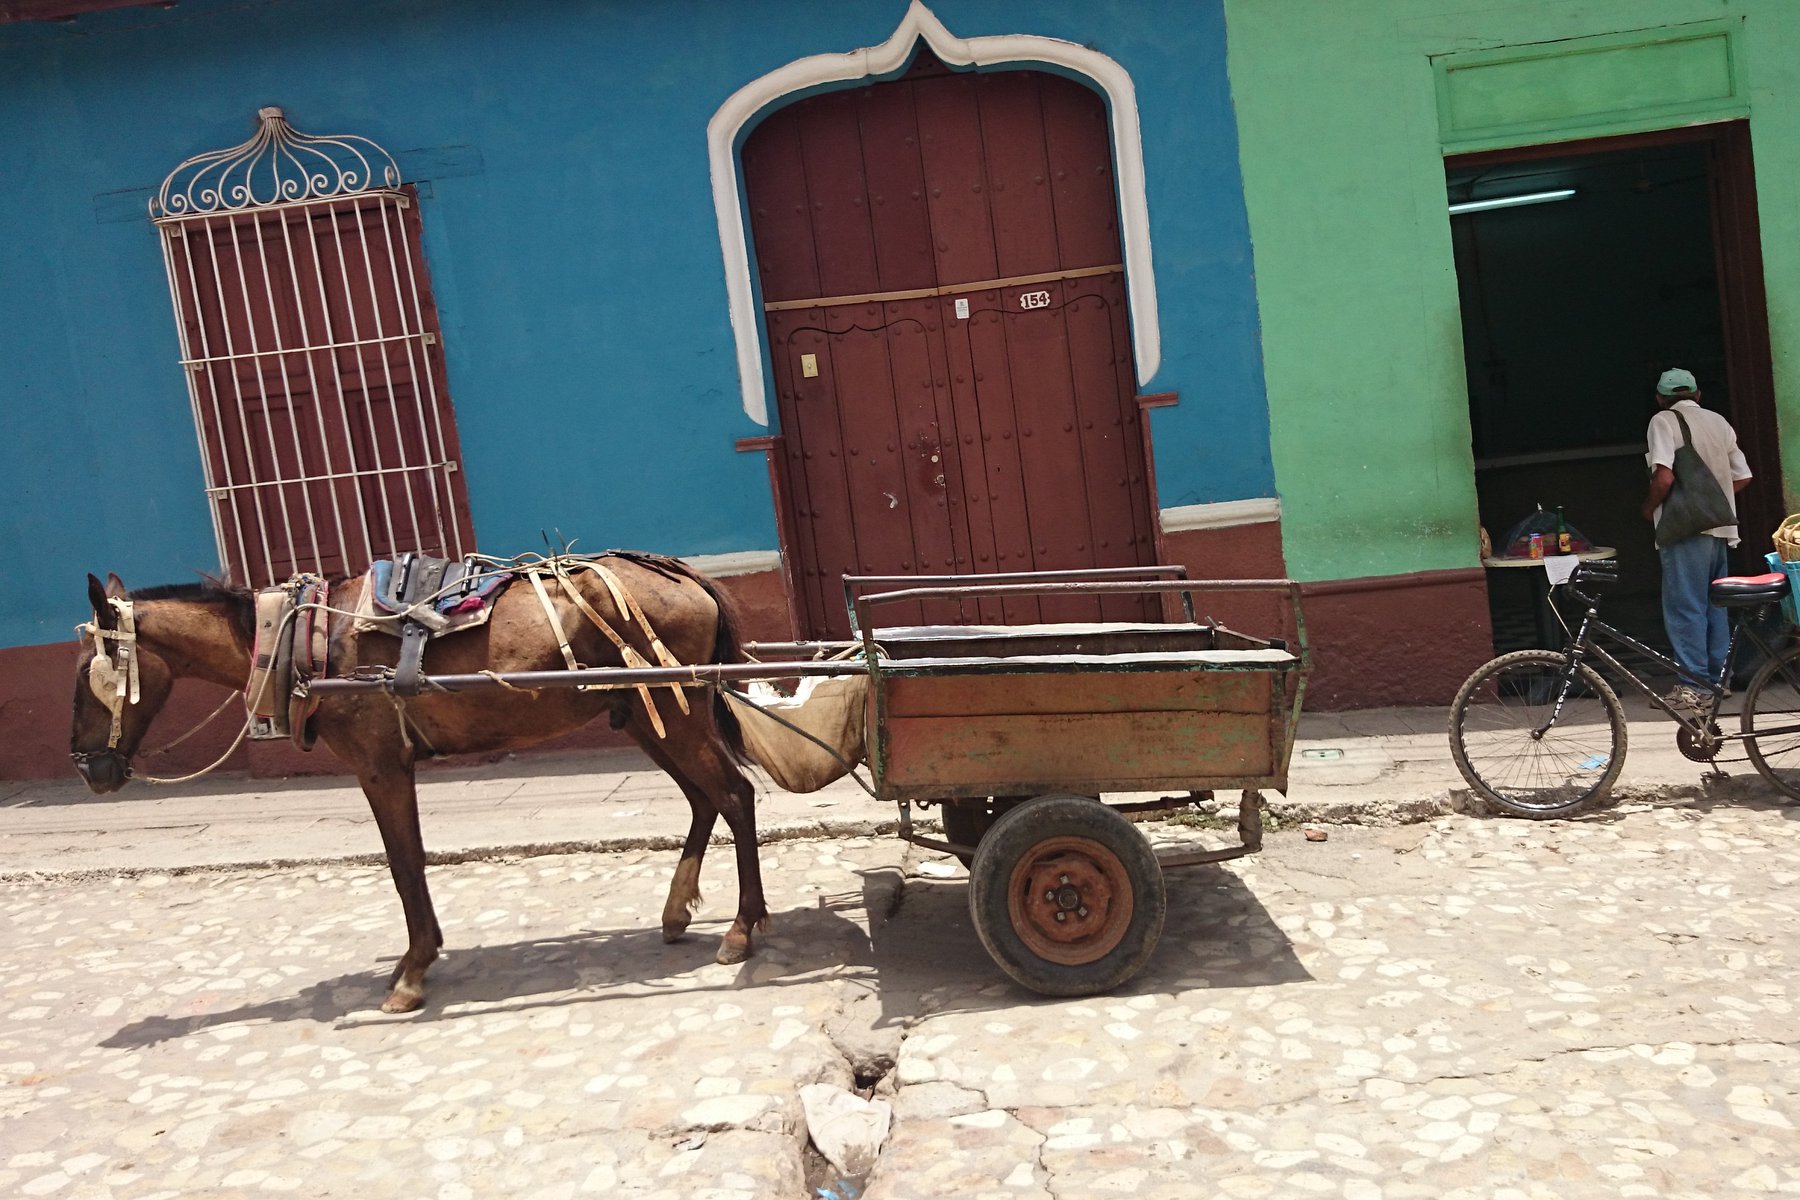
[205, 631]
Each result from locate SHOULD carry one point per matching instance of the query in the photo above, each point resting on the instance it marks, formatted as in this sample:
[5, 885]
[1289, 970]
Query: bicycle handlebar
[1598, 572]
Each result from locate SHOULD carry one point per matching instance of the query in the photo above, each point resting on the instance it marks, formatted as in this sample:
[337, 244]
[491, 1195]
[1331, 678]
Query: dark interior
[1570, 311]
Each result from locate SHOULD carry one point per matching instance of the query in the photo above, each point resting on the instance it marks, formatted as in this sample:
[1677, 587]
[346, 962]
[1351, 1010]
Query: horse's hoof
[733, 950]
[673, 930]
[399, 1001]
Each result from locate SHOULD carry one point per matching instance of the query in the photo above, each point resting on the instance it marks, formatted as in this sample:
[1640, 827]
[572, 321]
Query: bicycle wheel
[1493, 738]
[1771, 721]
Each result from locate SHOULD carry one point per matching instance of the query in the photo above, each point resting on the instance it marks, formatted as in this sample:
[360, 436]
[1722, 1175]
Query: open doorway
[1633, 254]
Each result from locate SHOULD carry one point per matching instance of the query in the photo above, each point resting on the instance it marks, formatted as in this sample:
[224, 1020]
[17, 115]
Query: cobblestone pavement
[1463, 1008]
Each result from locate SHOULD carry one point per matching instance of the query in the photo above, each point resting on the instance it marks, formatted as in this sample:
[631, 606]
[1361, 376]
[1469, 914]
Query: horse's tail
[728, 646]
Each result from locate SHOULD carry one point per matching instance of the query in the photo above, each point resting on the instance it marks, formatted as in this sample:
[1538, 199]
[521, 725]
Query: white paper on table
[1560, 566]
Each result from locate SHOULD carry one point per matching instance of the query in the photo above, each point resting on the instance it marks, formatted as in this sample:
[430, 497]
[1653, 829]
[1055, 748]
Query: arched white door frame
[757, 96]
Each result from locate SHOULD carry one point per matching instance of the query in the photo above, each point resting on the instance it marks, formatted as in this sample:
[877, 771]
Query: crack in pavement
[1040, 1171]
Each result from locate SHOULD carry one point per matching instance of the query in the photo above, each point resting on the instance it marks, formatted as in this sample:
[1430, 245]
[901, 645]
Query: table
[1549, 629]
[1598, 553]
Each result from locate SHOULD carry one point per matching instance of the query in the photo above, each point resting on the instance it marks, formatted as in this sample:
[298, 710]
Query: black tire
[1573, 764]
[1773, 703]
[966, 822]
[1074, 856]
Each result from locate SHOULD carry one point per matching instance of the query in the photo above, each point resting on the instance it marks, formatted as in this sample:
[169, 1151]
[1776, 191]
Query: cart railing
[1058, 583]
[1046, 582]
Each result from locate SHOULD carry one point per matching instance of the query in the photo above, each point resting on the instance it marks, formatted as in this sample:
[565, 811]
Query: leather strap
[311, 648]
[627, 653]
[556, 626]
[113, 674]
[413, 637]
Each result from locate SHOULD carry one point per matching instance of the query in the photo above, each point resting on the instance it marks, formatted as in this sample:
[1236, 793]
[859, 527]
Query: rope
[226, 703]
[229, 750]
[406, 734]
[215, 765]
[286, 620]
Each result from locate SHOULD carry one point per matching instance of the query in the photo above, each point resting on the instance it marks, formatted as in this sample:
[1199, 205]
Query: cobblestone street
[1461, 1008]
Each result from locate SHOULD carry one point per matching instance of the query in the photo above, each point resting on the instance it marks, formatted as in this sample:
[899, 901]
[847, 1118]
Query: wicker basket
[1787, 539]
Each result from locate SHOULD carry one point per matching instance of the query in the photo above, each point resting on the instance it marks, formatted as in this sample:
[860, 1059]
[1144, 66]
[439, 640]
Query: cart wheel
[1067, 896]
[967, 822]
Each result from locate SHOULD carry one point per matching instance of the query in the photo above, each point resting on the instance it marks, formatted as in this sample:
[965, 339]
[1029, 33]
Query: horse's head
[119, 686]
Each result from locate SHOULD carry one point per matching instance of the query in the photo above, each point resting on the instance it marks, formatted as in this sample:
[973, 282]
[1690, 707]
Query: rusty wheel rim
[1070, 900]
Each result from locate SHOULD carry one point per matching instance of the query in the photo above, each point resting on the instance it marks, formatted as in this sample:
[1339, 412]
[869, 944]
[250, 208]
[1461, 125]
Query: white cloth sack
[831, 710]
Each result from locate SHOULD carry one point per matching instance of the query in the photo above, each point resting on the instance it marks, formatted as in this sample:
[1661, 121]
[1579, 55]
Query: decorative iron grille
[312, 355]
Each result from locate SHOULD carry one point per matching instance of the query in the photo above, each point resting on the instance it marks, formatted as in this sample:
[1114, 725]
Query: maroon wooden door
[942, 279]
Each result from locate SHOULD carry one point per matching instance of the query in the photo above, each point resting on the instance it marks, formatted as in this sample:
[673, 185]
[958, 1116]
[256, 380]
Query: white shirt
[1717, 443]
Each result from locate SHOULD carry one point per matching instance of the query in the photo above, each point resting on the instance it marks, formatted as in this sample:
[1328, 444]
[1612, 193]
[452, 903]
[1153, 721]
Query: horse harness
[291, 650]
[413, 596]
[112, 673]
[417, 598]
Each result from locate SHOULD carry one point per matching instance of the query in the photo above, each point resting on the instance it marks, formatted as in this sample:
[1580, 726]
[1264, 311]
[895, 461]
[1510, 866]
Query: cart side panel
[1073, 752]
[965, 734]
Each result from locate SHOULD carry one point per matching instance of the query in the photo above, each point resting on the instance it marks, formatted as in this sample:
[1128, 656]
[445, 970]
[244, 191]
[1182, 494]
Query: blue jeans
[1697, 631]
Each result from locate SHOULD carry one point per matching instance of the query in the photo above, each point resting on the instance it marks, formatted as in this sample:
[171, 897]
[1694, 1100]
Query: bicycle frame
[1591, 639]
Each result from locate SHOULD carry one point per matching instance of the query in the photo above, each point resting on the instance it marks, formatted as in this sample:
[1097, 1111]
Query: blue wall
[573, 252]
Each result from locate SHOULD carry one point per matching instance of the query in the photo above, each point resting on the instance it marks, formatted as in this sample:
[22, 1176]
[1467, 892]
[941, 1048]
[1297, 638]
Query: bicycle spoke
[1519, 748]
[1771, 722]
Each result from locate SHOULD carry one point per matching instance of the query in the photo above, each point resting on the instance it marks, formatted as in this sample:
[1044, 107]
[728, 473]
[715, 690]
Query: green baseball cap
[1674, 381]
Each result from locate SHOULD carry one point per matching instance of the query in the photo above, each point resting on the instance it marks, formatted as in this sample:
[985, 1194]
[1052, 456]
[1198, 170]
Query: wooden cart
[1018, 732]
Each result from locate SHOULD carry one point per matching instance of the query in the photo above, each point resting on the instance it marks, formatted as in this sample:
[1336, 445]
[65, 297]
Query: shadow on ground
[922, 957]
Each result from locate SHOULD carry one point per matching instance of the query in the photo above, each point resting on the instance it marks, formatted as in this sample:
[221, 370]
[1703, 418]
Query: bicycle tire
[1573, 765]
[1775, 690]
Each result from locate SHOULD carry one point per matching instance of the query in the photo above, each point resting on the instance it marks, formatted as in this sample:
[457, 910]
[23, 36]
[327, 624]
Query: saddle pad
[456, 611]
[464, 587]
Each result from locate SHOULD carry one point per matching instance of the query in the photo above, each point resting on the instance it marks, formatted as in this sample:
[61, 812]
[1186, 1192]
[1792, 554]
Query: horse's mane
[206, 589]
[238, 603]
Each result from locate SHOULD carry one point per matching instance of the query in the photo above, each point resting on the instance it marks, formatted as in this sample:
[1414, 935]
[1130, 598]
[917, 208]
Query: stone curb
[1281, 815]
[1462, 802]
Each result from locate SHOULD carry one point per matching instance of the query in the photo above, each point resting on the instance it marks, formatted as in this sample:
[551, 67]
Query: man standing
[1697, 631]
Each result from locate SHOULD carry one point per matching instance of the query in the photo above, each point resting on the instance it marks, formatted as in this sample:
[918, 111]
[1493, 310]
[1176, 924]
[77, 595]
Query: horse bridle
[112, 675]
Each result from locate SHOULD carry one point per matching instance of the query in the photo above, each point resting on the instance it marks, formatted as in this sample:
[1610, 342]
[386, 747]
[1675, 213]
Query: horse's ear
[103, 612]
[114, 585]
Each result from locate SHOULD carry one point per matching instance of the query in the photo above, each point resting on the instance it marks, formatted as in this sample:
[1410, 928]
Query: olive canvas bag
[1695, 503]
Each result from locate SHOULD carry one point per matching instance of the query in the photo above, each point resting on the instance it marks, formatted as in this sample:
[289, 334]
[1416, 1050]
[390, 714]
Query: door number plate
[1029, 300]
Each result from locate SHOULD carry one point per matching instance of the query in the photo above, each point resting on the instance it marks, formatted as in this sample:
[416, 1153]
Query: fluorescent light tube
[1474, 206]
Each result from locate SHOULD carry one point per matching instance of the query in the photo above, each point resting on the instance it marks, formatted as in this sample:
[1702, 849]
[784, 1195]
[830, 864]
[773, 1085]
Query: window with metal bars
[312, 354]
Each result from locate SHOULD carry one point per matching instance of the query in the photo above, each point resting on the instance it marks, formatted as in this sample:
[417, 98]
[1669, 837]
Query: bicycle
[1541, 733]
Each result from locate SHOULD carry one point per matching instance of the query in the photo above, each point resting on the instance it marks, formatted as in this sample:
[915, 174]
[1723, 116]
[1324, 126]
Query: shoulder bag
[1695, 504]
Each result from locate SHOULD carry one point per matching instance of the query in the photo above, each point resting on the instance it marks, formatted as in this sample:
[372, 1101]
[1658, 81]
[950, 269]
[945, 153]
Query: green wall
[1342, 150]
